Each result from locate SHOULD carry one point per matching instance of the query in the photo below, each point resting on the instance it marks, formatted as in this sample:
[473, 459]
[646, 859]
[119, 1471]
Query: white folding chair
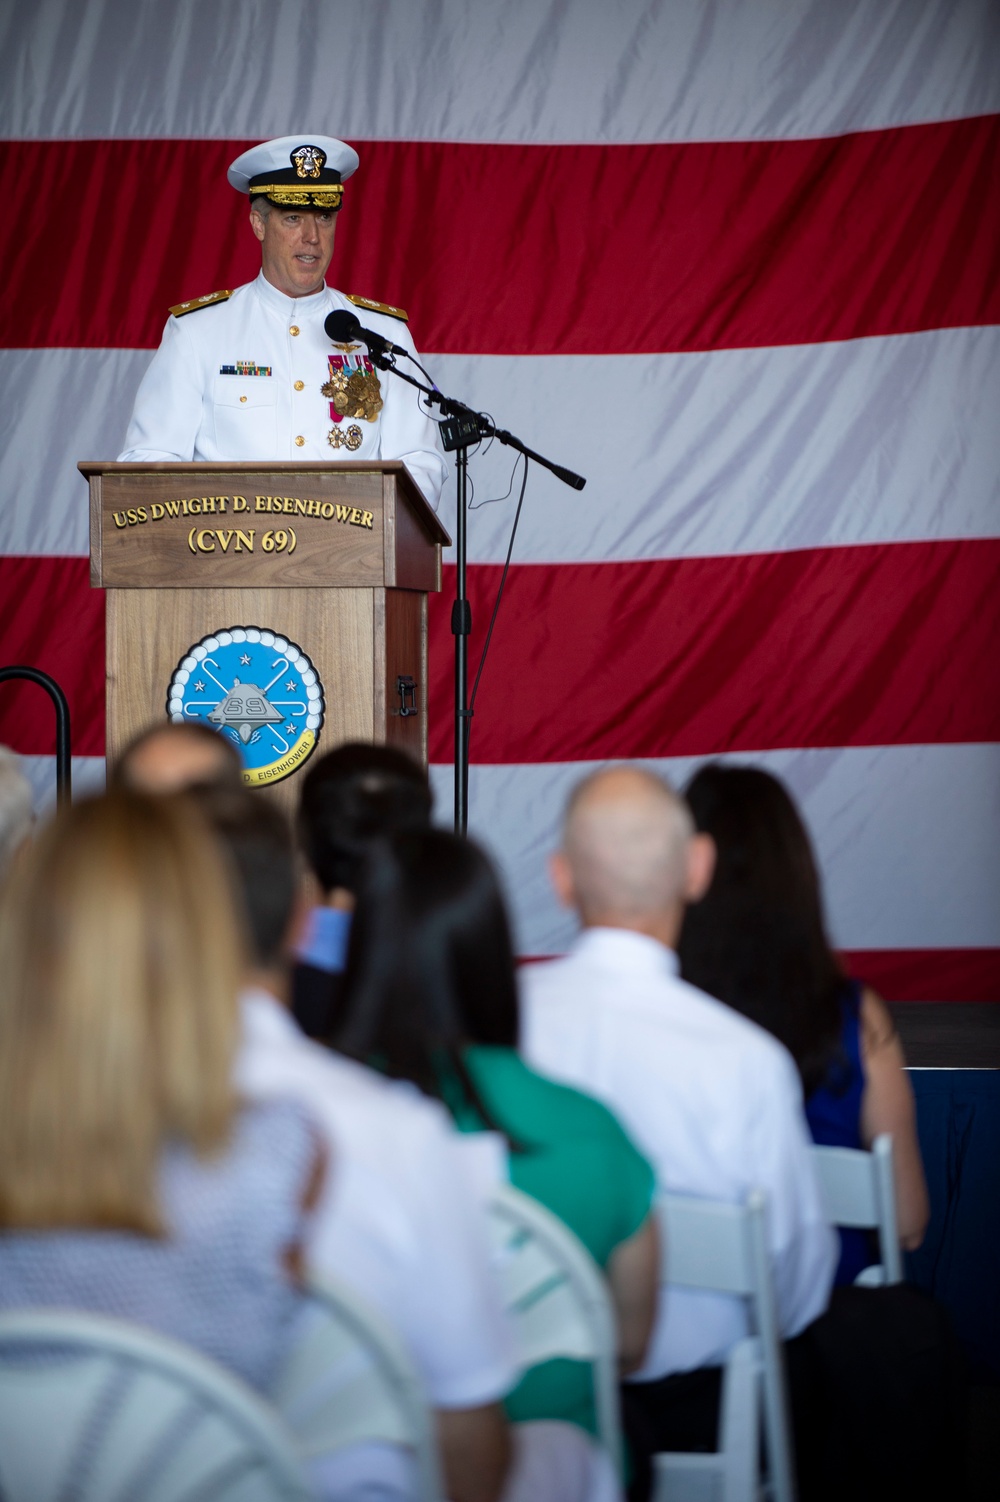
[348, 1379]
[722, 1248]
[558, 1300]
[98, 1410]
[858, 1190]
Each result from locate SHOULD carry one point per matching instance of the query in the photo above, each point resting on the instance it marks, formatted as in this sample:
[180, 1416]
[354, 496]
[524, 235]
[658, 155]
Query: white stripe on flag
[877, 816]
[905, 837]
[87, 776]
[62, 405]
[742, 451]
[734, 451]
[526, 71]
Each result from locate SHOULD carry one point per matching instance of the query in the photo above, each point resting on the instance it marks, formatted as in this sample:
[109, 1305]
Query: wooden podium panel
[336, 628]
[336, 559]
[212, 526]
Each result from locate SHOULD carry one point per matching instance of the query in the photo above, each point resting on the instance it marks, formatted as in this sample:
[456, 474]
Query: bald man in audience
[712, 1099]
[168, 758]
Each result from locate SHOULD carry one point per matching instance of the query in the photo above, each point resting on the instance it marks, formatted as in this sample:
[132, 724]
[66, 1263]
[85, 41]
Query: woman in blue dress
[757, 940]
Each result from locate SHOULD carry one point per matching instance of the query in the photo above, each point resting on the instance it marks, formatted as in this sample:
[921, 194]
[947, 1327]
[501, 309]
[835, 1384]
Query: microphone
[344, 328]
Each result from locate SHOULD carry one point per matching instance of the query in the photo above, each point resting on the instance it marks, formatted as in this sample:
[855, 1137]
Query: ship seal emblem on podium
[259, 690]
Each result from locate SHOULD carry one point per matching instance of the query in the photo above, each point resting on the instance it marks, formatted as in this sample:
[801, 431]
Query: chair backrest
[103, 1411]
[858, 1190]
[348, 1379]
[722, 1248]
[558, 1300]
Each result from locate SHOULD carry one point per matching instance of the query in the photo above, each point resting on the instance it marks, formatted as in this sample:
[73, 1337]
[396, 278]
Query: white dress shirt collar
[623, 948]
[290, 307]
[266, 1017]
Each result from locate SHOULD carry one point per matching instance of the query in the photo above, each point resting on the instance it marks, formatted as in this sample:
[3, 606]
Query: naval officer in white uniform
[252, 374]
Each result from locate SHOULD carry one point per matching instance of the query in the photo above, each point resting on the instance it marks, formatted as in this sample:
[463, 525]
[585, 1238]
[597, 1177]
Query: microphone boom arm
[460, 428]
[463, 426]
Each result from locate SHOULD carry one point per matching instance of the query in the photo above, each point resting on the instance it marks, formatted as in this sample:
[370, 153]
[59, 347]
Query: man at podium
[252, 374]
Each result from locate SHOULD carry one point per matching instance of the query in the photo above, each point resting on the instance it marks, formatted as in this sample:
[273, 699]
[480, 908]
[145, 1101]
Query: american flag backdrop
[736, 261]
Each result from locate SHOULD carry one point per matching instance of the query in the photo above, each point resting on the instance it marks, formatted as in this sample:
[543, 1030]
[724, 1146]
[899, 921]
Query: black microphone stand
[461, 427]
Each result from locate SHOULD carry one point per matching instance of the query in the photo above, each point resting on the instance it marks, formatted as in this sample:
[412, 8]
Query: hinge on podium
[406, 688]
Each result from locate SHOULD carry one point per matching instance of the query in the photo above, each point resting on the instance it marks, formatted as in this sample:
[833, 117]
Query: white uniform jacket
[712, 1100]
[241, 380]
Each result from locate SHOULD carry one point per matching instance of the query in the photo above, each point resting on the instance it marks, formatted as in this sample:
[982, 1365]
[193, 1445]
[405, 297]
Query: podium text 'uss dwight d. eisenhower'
[284, 605]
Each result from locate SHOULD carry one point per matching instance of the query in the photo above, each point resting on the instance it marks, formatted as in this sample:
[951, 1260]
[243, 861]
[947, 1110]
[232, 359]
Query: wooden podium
[332, 562]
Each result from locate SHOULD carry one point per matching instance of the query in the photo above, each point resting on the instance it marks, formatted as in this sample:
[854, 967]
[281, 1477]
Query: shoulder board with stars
[377, 307]
[180, 308]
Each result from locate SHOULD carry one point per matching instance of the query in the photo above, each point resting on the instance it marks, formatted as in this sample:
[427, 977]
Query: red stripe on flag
[960, 975]
[52, 620]
[894, 644]
[890, 645]
[536, 249]
[929, 974]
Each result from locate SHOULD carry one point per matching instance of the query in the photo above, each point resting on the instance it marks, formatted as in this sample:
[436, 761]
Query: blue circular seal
[257, 689]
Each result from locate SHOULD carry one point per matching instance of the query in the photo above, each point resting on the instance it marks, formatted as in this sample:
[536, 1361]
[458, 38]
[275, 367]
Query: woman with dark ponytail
[430, 996]
[757, 941]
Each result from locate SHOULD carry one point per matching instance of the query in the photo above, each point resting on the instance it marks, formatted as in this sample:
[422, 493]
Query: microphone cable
[500, 587]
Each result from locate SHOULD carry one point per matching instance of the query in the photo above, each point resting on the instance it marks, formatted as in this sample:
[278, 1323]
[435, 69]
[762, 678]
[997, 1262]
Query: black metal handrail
[64, 766]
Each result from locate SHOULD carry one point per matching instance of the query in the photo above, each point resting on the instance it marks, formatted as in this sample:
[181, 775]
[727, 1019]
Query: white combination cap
[298, 171]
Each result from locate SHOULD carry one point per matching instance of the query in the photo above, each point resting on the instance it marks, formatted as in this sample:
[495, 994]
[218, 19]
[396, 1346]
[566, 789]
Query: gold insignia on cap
[180, 308]
[308, 161]
[308, 198]
[377, 307]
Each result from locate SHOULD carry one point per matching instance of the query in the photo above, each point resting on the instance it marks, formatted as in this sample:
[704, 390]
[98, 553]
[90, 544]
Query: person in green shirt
[430, 995]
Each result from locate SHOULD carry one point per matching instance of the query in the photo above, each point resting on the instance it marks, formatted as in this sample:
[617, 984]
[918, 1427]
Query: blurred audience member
[430, 993]
[396, 1218]
[129, 1183]
[711, 1098]
[757, 941]
[353, 795]
[16, 807]
[168, 758]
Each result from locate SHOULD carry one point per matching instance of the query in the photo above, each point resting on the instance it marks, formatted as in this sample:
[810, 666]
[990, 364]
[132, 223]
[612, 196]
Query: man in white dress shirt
[712, 1099]
[252, 374]
[396, 1216]
[399, 1217]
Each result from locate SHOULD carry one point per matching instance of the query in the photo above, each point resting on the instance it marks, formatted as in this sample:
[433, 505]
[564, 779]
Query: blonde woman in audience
[130, 1183]
[16, 807]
